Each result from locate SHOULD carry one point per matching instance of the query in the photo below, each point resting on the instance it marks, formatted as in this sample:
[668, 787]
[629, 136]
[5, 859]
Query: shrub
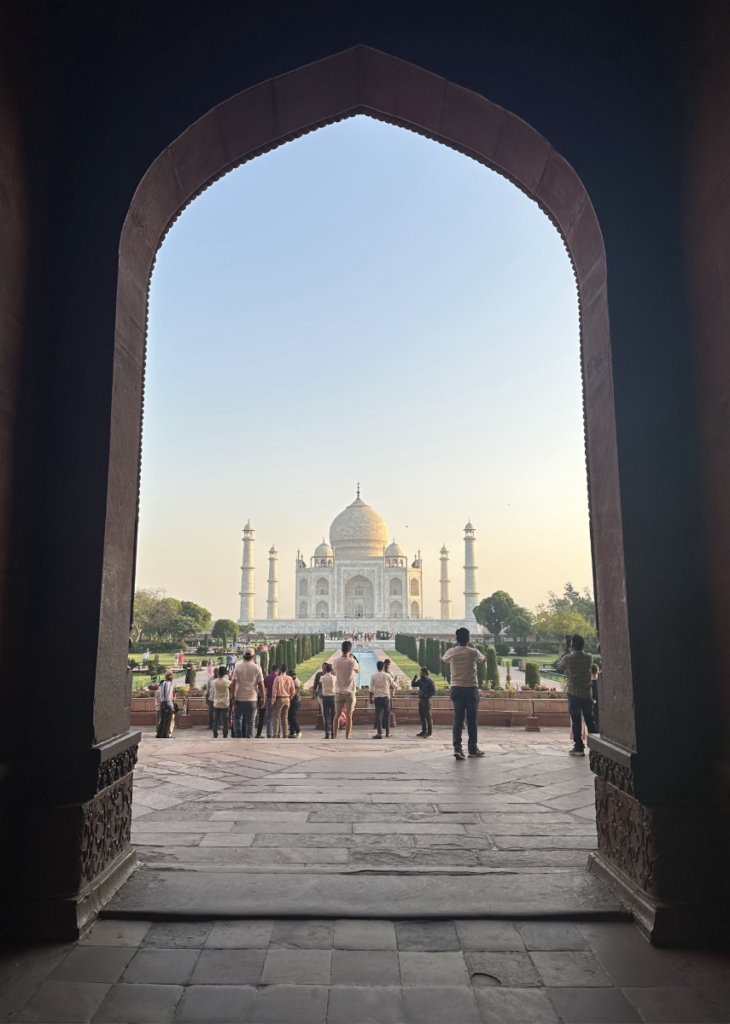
[515, 663]
[492, 669]
[521, 650]
[264, 658]
[502, 648]
[532, 675]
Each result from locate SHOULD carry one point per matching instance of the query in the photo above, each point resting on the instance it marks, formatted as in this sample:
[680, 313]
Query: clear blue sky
[363, 304]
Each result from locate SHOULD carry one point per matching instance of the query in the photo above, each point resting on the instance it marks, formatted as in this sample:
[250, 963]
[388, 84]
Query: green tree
[557, 622]
[145, 603]
[247, 629]
[532, 675]
[264, 661]
[520, 623]
[493, 612]
[194, 611]
[182, 625]
[580, 601]
[481, 665]
[492, 669]
[225, 629]
[422, 653]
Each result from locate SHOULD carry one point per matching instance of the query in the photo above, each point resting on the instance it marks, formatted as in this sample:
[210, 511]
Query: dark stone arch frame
[253, 122]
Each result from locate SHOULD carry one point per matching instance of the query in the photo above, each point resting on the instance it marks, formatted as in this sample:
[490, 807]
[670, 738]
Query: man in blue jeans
[577, 664]
[463, 658]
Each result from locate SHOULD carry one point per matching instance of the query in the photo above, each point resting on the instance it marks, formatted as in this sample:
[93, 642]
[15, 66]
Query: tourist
[293, 716]
[463, 658]
[317, 687]
[595, 669]
[247, 689]
[576, 663]
[190, 676]
[381, 692]
[268, 687]
[345, 669]
[165, 704]
[426, 691]
[221, 702]
[145, 656]
[282, 693]
[230, 662]
[327, 685]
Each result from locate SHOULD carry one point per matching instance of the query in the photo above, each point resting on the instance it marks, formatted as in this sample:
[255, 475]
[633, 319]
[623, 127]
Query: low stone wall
[493, 711]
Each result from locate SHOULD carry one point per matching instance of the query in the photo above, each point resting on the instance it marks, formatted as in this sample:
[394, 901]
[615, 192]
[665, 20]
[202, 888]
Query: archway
[359, 597]
[363, 81]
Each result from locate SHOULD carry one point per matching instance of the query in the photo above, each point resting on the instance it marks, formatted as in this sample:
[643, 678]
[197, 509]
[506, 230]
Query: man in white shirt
[345, 670]
[165, 703]
[463, 658]
[221, 701]
[381, 688]
[247, 691]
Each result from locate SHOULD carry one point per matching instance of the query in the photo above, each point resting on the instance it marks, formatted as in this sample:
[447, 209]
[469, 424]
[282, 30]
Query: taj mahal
[358, 582]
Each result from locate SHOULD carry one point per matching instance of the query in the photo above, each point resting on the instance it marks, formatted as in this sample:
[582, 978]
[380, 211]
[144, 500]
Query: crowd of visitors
[241, 700]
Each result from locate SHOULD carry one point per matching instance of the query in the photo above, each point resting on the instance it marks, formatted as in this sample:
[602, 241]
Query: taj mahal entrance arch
[359, 597]
[643, 797]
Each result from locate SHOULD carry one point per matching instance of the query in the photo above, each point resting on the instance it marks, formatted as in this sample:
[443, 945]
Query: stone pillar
[471, 591]
[445, 585]
[272, 598]
[247, 576]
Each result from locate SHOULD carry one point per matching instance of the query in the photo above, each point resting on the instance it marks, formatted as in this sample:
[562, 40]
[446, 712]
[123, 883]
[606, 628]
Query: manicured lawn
[411, 668]
[306, 670]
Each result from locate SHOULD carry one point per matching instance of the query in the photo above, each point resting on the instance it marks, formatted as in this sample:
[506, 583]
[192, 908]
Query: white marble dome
[323, 550]
[394, 550]
[358, 532]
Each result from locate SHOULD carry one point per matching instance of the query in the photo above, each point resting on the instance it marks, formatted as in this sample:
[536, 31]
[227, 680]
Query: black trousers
[164, 721]
[578, 706]
[328, 714]
[382, 715]
[220, 718]
[424, 710]
[261, 720]
[294, 716]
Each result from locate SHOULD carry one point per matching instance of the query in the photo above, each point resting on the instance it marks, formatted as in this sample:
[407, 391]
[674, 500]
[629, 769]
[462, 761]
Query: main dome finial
[358, 488]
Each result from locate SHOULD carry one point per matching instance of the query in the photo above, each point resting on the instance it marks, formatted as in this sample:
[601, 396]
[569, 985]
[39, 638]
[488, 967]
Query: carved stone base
[70, 839]
[69, 918]
[664, 924]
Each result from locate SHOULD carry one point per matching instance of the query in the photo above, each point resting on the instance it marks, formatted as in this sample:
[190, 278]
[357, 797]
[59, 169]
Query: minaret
[471, 593]
[247, 575]
[445, 585]
[272, 598]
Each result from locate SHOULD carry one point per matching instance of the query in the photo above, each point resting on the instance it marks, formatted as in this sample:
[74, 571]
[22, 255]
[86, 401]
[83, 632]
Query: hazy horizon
[363, 304]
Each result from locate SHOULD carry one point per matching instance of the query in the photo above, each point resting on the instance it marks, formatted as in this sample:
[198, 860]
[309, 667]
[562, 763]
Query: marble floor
[352, 881]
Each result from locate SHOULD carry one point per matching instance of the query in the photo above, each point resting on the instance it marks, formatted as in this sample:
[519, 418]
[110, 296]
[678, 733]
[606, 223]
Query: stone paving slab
[332, 970]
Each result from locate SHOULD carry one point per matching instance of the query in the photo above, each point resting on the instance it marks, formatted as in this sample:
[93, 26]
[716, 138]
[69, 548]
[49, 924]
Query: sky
[363, 304]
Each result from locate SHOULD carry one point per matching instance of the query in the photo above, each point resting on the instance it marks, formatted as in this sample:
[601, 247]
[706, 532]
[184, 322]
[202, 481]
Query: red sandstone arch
[365, 81]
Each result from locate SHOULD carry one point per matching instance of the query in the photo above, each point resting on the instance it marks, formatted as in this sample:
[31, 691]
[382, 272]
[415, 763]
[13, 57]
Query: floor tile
[670, 1005]
[489, 935]
[291, 1004]
[117, 933]
[371, 967]
[240, 935]
[139, 1004]
[444, 1005]
[370, 1005]
[64, 1002]
[441, 969]
[550, 935]
[216, 1004]
[303, 934]
[297, 967]
[516, 1006]
[178, 935]
[515, 970]
[593, 1006]
[98, 965]
[426, 936]
[620, 936]
[161, 967]
[573, 970]
[641, 968]
[358, 934]
[229, 967]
